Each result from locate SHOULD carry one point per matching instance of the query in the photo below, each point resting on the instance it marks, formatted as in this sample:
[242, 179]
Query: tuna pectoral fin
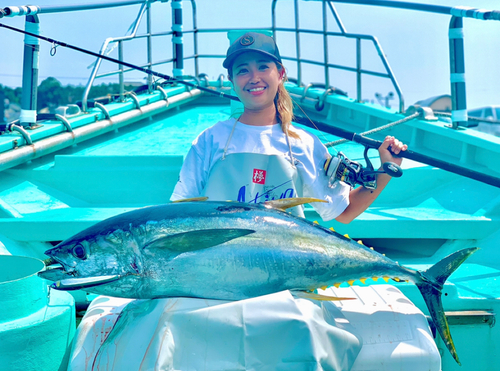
[431, 286]
[313, 296]
[286, 203]
[197, 240]
[83, 283]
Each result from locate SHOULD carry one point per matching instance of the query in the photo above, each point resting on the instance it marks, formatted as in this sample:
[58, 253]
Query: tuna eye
[79, 252]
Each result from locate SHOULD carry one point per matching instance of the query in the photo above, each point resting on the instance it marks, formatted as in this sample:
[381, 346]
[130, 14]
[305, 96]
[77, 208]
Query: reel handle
[390, 168]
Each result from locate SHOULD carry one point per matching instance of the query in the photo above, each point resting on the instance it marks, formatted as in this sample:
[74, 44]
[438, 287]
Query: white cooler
[380, 330]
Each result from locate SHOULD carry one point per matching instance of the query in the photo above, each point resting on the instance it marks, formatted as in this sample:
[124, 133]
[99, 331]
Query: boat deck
[422, 216]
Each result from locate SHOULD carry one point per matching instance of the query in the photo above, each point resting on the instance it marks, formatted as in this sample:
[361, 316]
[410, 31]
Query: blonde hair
[284, 106]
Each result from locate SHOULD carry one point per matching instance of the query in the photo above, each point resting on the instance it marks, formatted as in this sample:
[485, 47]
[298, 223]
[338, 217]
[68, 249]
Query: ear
[229, 78]
[282, 73]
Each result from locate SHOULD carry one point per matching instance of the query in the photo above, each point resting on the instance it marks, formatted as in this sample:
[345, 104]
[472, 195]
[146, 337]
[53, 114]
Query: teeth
[257, 89]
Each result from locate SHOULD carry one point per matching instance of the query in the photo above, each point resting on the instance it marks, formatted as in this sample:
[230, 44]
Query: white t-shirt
[310, 153]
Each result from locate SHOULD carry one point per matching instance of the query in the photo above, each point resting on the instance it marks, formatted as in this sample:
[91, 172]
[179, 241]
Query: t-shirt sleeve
[337, 196]
[192, 177]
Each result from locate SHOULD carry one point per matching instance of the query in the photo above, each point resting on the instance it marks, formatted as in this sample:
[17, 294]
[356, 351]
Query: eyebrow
[259, 61]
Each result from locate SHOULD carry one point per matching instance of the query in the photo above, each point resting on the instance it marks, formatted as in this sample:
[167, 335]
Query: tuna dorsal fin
[197, 240]
[313, 296]
[286, 203]
[190, 199]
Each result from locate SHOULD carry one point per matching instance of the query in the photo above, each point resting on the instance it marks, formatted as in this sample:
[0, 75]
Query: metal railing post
[297, 43]
[325, 45]
[120, 75]
[150, 52]
[273, 17]
[358, 69]
[30, 72]
[178, 52]
[195, 39]
[457, 73]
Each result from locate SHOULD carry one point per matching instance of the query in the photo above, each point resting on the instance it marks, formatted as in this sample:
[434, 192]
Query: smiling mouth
[256, 89]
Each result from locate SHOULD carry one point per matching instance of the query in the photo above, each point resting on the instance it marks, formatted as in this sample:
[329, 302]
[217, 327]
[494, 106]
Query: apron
[254, 178]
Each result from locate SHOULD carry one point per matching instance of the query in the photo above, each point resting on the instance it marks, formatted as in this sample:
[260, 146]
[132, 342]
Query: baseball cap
[252, 41]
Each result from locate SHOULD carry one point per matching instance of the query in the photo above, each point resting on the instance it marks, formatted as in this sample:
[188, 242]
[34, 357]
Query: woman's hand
[396, 147]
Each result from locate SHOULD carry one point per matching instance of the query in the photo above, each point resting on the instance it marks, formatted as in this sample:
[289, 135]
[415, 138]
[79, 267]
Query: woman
[260, 156]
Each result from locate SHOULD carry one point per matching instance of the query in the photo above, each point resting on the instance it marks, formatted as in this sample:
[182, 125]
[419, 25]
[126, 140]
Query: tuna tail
[431, 285]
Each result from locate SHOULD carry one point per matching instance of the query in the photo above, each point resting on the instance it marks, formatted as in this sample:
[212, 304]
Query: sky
[415, 44]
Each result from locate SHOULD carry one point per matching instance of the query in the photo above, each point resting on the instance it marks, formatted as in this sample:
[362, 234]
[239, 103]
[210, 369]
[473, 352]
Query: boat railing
[177, 58]
[456, 45]
[457, 73]
[328, 6]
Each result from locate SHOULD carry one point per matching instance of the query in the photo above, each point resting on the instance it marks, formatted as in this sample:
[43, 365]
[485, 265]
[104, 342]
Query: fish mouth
[50, 261]
[55, 267]
[54, 274]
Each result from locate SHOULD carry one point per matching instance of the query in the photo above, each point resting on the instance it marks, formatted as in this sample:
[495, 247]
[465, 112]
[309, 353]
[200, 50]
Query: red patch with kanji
[259, 176]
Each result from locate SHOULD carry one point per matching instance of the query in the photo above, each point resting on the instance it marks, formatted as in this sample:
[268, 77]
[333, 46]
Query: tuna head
[89, 259]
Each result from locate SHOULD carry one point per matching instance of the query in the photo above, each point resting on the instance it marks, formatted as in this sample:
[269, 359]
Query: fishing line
[56, 43]
[311, 121]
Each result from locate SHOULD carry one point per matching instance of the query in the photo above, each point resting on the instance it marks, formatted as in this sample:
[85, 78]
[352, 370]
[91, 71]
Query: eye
[78, 251]
[242, 71]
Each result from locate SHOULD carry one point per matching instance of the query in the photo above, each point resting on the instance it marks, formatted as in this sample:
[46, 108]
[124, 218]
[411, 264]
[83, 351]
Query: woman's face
[255, 79]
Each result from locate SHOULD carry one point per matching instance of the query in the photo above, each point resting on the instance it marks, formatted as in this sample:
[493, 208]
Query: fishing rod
[56, 43]
[409, 154]
[367, 142]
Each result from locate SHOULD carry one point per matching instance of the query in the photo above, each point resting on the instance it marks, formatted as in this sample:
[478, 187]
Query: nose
[254, 77]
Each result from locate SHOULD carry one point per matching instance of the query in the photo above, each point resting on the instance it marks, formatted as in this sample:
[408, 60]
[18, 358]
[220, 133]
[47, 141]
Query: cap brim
[228, 62]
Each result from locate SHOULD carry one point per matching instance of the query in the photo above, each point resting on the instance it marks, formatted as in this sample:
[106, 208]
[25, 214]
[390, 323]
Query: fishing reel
[352, 172]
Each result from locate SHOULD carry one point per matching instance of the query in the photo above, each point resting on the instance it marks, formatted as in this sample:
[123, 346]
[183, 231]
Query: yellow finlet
[323, 287]
[386, 279]
[351, 282]
[190, 199]
[331, 228]
[375, 279]
[337, 284]
[371, 248]
[316, 222]
[360, 242]
[363, 280]
[310, 295]
[286, 203]
[397, 279]
[346, 235]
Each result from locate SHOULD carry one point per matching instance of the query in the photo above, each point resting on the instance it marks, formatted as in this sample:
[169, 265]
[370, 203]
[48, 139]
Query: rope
[376, 130]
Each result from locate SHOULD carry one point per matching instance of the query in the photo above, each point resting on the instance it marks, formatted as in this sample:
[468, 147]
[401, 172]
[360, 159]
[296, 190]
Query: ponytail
[284, 107]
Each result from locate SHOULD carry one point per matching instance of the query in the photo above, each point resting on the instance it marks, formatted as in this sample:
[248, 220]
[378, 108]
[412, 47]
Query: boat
[64, 171]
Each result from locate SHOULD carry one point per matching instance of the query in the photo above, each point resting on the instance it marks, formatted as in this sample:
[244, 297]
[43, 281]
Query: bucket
[36, 324]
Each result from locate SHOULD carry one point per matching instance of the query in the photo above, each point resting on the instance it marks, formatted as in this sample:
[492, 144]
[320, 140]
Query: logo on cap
[247, 40]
